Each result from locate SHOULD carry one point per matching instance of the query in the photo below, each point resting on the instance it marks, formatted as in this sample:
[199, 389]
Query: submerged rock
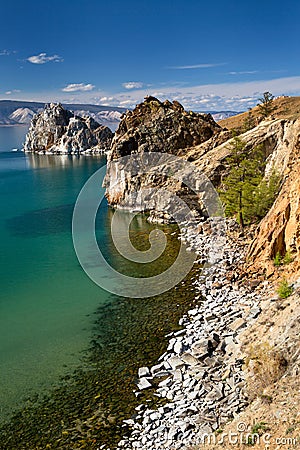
[57, 131]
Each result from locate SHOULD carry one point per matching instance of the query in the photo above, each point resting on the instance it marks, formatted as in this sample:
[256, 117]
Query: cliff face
[166, 127]
[279, 231]
[152, 126]
[276, 136]
[56, 131]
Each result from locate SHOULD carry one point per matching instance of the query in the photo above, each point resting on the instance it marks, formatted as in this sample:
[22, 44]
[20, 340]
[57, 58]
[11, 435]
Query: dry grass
[286, 108]
[265, 365]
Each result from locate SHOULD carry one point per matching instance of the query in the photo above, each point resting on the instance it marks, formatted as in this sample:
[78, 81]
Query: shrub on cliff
[266, 104]
[284, 289]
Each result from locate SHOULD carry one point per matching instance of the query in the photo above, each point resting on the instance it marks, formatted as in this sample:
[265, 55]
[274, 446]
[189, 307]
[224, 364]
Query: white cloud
[132, 85]
[125, 102]
[106, 99]
[78, 87]
[244, 72]
[4, 52]
[13, 91]
[196, 66]
[237, 96]
[43, 58]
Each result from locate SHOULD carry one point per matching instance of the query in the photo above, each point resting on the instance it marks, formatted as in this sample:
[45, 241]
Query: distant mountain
[221, 115]
[13, 112]
[22, 115]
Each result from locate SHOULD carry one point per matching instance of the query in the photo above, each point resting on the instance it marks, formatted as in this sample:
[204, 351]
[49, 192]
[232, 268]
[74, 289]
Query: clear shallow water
[46, 299]
[51, 313]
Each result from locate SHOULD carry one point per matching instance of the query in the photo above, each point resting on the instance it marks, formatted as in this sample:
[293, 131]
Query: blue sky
[206, 54]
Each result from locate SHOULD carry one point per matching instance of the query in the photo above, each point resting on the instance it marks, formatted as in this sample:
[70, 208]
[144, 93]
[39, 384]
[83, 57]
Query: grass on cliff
[286, 108]
[280, 260]
[265, 365]
[284, 289]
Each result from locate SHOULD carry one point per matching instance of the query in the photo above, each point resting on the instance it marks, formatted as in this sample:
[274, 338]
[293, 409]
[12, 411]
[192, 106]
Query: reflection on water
[45, 161]
[20, 161]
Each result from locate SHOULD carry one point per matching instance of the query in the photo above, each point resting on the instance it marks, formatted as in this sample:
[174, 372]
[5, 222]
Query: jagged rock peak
[153, 126]
[58, 131]
[161, 126]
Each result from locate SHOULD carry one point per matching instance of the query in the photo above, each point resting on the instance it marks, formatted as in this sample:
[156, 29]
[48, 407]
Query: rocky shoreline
[200, 380]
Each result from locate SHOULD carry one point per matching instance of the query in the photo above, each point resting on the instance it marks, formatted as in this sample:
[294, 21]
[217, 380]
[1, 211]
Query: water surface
[46, 298]
[52, 315]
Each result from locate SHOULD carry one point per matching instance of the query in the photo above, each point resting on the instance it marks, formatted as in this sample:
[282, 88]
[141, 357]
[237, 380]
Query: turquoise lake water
[47, 301]
[51, 315]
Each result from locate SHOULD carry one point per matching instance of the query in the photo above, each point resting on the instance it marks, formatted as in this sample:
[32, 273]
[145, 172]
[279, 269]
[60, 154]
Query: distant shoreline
[7, 125]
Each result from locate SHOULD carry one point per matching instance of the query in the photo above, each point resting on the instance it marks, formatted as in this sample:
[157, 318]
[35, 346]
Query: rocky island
[58, 131]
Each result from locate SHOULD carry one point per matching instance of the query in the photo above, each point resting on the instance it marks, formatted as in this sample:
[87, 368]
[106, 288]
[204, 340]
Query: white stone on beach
[144, 384]
[143, 372]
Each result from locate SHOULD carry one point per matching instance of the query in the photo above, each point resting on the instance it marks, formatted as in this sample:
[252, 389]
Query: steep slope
[279, 231]
[56, 130]
[285, 108]
[276, 137]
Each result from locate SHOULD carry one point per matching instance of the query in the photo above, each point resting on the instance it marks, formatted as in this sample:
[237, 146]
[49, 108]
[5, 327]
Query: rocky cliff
[152, 126]
[155, 126]
[166, 127]
[56, 130]
[279, 231]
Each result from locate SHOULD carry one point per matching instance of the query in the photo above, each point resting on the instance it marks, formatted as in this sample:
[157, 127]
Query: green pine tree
[265, 195]
[266, 105]
[247, 167]
[249, 122]
[246, 193]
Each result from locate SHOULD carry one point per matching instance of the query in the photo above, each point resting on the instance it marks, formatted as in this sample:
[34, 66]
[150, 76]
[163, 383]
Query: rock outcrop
[279, 231]
[152, 126]
[57, 131]
[166, 127]
[276, 137]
